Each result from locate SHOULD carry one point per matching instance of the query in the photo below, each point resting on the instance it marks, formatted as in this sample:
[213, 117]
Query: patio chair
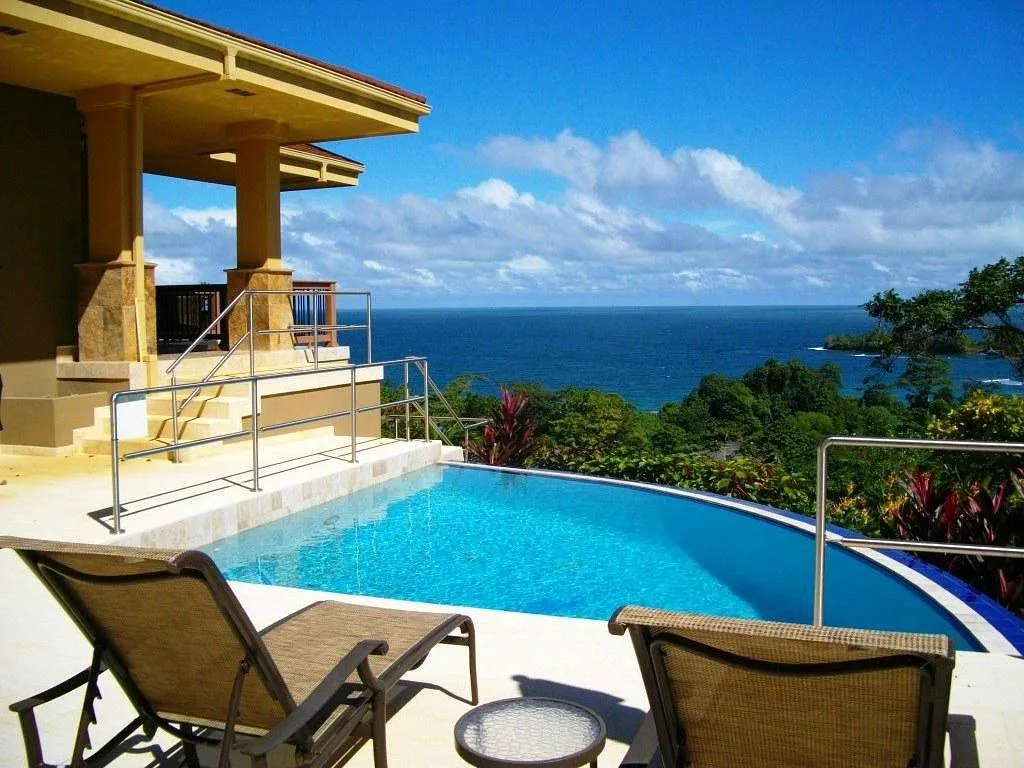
[173, 634]
[729, 693]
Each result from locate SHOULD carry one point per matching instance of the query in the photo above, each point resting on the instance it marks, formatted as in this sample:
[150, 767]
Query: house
[93, 94]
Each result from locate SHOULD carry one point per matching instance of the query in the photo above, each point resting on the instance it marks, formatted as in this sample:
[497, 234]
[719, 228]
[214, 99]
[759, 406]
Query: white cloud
[398, 278]
[529, 265]
[498, 193]
[964, 197]
[568, 156]
[205, 217]
[740, 186]
[636, 223]
[714, 278]
[177, 271]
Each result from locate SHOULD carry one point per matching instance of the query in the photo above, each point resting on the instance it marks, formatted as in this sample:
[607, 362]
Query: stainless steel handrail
[467, 423]
[251, 333]
[254, 431]
[821, 494]
[191, 347]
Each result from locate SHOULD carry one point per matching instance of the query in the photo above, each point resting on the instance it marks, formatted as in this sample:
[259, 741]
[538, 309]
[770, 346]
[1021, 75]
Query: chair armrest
[25, 710]
[643, 749]
[75, 681]
[323, 699]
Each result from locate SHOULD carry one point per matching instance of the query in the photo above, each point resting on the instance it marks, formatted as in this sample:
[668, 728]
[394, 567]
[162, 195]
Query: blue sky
[646, 153]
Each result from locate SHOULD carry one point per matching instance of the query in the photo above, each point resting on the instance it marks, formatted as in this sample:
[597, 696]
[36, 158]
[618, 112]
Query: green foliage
[591, 424]
[929, 387]
[988, 304]
[742, 477]
[720, 410]
[543, 402]
[981, 417]
[792, 387]
[872, 341]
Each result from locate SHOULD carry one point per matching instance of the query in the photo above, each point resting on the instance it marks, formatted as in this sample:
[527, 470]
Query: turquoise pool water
[471, 537]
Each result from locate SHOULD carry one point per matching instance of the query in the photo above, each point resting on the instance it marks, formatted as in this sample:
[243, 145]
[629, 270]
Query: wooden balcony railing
[313, 304]
[185, 311]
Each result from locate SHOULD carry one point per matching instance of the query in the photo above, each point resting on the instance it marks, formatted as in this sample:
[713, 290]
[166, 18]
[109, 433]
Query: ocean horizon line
[577, 307]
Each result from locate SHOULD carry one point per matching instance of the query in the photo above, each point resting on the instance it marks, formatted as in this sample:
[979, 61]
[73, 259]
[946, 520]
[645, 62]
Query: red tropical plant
[508, 440]
[939, 512]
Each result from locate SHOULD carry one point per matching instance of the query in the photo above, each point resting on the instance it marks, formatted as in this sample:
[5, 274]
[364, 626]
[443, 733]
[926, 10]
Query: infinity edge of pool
[994, 628]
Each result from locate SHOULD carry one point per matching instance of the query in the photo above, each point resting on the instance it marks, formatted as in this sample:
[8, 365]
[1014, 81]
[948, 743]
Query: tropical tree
[987, 306]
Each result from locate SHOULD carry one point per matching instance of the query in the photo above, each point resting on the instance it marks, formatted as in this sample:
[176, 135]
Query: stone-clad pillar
[113, 308]
[258, 216]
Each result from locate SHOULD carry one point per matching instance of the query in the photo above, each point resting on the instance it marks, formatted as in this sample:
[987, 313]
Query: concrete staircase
[214, 411]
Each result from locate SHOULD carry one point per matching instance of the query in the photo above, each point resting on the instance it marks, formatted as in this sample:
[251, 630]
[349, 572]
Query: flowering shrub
[982, 416]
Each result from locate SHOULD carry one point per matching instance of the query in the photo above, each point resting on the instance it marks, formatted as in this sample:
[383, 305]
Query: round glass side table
[530, 731]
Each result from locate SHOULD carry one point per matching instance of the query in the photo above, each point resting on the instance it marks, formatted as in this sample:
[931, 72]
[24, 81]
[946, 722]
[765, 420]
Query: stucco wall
[47, 422]
[277, 409]
[41, 219]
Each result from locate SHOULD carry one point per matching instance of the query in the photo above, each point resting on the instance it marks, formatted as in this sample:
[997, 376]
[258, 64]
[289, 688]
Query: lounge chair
[170, 630]
[729, 693]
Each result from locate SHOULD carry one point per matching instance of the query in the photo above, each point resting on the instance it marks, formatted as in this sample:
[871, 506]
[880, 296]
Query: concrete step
[96, 439]
[207, 403]
[189, 427]
[99, 445]
[198, 365]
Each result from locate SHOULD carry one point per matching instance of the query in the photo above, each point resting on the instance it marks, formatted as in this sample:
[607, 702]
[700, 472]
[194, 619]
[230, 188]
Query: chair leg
[473, 686]
[379, 710]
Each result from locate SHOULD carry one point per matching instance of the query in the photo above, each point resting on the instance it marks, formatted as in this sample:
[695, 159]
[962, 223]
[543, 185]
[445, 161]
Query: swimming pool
[566, 546]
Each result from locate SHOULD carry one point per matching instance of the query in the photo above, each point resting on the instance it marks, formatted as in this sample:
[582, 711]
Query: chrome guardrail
[466, 423]
[821, 495]
[251, 333]
[420, 402]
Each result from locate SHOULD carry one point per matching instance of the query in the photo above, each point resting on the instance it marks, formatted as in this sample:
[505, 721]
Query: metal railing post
[426, 402]
[316, 339]
[408, 433]
[353, 413]
[369, 328]
[249, 327]
[254, 401]
[819, 532]
[114, 471]
[174, 415]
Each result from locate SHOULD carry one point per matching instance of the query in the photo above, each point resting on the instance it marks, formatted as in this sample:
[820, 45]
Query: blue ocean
[649, 355]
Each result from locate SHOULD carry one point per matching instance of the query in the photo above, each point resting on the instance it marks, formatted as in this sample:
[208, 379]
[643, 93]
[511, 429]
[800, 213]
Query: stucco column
[258, 218]
[113, 296]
